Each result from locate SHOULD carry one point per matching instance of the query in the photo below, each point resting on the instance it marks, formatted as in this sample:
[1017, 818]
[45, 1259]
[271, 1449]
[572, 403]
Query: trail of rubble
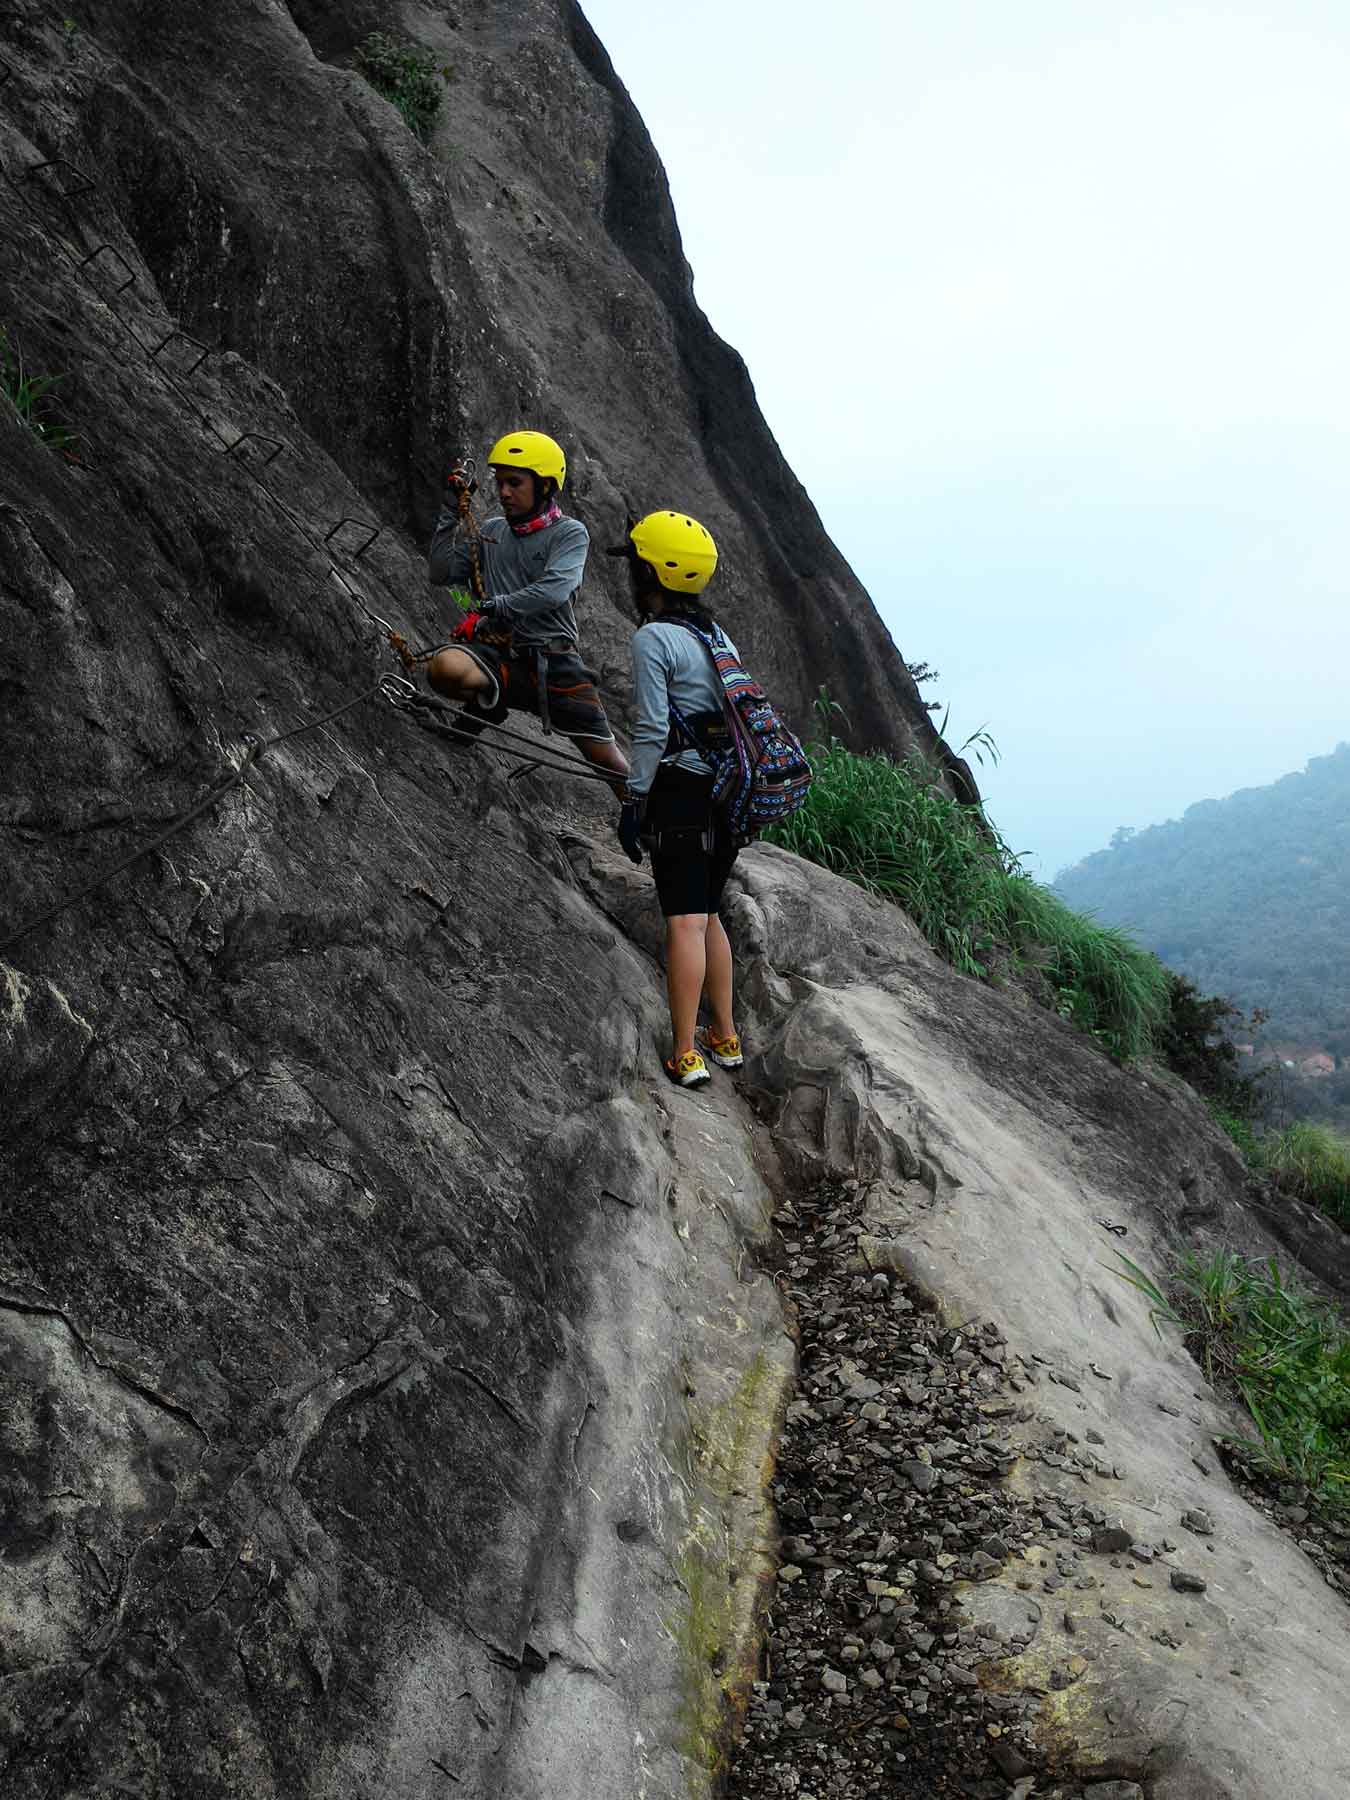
[878, 1678]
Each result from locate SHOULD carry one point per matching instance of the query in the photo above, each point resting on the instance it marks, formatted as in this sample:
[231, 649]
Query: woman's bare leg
[718, 978]
[686, 968]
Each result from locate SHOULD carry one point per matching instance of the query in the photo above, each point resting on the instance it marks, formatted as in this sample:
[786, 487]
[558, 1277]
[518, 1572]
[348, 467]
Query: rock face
[390, 1373]
[410, 302]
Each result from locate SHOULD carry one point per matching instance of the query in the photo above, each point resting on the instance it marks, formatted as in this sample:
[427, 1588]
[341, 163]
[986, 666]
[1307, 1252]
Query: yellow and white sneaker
[725, 1052]
[689, 1070]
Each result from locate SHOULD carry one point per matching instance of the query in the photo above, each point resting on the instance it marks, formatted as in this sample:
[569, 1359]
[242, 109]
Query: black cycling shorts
[690, 847]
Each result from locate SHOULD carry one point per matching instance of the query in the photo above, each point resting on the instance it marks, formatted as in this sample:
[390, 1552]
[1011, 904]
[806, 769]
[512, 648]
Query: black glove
[459, 479]
[630, 828]
[492, 620]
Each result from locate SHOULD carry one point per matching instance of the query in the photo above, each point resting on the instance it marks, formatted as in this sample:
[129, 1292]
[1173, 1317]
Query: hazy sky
[1048, 304]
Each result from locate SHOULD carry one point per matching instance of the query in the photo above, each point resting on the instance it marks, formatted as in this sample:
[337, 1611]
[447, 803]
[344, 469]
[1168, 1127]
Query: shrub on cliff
[1287, 1356]
[890, 827]
[1195, 1042]
[407, 77]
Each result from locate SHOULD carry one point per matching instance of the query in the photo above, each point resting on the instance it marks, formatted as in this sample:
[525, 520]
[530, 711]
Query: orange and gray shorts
[571, 699]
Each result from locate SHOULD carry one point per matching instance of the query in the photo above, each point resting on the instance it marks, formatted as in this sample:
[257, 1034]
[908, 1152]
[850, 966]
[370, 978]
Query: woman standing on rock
[522, 648]
[668, 802]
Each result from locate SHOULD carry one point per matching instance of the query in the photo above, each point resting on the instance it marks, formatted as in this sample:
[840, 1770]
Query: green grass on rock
[1285, 1354]
[890, 827]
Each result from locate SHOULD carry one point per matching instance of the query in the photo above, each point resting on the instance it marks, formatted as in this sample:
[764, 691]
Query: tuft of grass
[408, 77]
[1312, 1162]
[890, 827]
[30, 396]
[1305, 1159]
[1285, 1354]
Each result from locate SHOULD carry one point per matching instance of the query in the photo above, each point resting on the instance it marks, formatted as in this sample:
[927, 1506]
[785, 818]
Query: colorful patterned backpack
[760, 771]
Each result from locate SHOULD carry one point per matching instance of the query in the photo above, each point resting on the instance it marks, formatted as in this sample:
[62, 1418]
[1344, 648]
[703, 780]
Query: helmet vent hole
[670, 564]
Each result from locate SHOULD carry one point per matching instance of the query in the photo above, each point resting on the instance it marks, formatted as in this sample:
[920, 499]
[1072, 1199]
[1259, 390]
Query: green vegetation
[1248, 896]
[1285, 1354]
[890, 827]
[30, 396]
[1195, 1043]
[1304, 1159]
[407, 76]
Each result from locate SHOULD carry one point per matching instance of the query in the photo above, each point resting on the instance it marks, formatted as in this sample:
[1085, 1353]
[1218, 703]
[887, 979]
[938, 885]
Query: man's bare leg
[457, 676]
[605, 754]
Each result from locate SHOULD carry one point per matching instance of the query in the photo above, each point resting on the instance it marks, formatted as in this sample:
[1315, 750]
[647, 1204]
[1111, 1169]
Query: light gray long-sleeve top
[670, 667]
[533, 579]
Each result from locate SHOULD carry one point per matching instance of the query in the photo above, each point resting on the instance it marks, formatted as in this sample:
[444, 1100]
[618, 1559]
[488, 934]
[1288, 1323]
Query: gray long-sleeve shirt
[670, 668]
[532, 578]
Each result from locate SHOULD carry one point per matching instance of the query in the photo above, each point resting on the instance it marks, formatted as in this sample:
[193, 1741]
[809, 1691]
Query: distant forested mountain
[1248, 896]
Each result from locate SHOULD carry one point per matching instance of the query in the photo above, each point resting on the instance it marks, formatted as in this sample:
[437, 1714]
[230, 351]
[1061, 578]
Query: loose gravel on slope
[890, 1498]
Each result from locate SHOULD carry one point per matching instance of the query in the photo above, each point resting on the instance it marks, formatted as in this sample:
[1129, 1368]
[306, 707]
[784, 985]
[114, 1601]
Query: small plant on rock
[30, 396]
[407, 76]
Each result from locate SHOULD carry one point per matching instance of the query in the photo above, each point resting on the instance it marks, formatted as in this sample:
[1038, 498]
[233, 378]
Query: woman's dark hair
[685, 606]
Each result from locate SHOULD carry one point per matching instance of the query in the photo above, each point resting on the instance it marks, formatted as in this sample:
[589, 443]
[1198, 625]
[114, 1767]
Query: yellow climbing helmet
[532, 450]
[679, 549]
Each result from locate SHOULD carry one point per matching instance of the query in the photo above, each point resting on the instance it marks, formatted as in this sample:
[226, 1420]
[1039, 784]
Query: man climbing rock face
[668, 805]
[528, 564]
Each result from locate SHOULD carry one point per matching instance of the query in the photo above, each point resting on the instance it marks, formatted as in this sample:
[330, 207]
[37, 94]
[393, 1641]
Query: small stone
[1186, 1583]
[1198, 1521]
[1114, 1790]
[922, 1476]
[1010, 1760]
[833, 1682]
[795, 1718]
[870, 1679]
[789, 1572]
[1111, 1538]
[1094, 1436]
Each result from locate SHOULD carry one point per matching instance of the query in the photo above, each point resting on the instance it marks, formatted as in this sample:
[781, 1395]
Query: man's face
[516, 490]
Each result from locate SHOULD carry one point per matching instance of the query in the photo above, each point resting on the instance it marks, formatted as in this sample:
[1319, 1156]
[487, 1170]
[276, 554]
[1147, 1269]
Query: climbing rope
[403, 697]
[423, 710]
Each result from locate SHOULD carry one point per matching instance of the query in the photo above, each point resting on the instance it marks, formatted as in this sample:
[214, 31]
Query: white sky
[1048, 304]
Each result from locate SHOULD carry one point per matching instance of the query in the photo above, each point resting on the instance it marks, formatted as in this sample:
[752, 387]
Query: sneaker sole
[705, 1049]
[688, 1081]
